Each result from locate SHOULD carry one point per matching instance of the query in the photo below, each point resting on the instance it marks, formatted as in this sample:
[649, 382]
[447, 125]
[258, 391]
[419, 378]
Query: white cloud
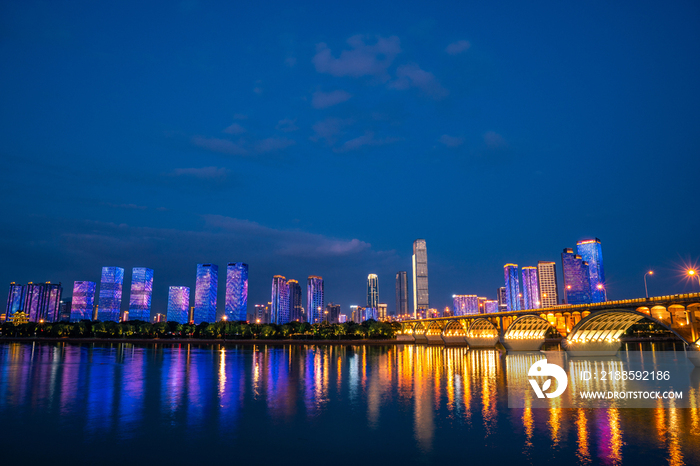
[328, 129]
[361, 60]
[494, 140]
[321, 99]
[458, 47]
[287, 125]
[451, 141]
[412, 75]
[366, 139]
[273, 144]
[219, 145]
[235, 128]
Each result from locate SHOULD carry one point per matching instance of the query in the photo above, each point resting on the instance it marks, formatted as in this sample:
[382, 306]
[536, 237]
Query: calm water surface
[179, 404]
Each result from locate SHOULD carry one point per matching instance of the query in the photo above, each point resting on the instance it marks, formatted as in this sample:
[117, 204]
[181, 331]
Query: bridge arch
[482, 328]
[454, 328]
[528, 327]
[609, 325]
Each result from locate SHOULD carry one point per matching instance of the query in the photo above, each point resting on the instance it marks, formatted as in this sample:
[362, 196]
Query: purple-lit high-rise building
[591, 251]
[205, 291]
[236, 306]
[141, 291]
[577, 280]
[14, 300]
[314, 299]
[490, 306]
[83, 301]
[531, 291]
[463, 305]
[42, 301]
[178, 304]
[510, 272]
[110, 303]
[279, 310]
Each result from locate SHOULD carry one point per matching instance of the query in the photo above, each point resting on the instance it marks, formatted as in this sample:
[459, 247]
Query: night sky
[319, 139]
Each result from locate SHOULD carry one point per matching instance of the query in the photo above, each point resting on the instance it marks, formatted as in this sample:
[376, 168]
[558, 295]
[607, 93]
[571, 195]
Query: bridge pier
[420, 338]
[591, 348]
[405, 337]
[522, 344]
[434, 339]
[482, 342]
[454, 340]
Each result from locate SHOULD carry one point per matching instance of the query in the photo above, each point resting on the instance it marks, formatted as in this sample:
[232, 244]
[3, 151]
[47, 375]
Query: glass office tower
[547, 281]
[510, 272]
[591, 251]
[401, 294]
[178, 304]
[421, 301]
[373, 291]
[205, 290]
[279, 310]
[296, 310]
[577, 280]
[110, 300]
[141, 291]
[314, 299]
[531, 290]
[236, 306]
[83, 301]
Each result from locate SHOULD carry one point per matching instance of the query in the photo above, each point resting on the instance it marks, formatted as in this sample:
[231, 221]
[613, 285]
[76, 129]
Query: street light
[692, 273]
[651, 272]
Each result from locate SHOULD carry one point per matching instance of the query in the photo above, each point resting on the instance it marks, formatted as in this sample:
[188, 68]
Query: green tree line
[369, 329]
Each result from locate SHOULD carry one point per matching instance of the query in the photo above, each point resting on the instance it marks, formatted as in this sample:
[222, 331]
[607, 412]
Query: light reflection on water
[399, 403]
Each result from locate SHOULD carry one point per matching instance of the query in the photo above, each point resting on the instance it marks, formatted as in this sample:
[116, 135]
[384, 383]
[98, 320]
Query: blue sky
[323, 138]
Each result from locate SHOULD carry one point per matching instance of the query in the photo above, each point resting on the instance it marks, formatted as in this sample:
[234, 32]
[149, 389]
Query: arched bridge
[585, 327]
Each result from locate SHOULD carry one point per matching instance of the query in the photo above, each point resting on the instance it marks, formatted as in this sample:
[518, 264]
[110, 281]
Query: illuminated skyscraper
[14, 300]
[110, 303]
[465, 304]
[547, 281]
[42, 301]
[591, 251]
[481, 304]
[141, 291]
[382, 311]
[502, 299]
[279, 310]
[206, 288]
[421, 299]
[490, 306]
[510, 272]
[577, 279]
[531, 291]
[296, 310]
[178, 304]
[373, 291]
[314, 299]
[236, 305]
[83, 301]
[262, 314]
[332, 313]
[401, 294]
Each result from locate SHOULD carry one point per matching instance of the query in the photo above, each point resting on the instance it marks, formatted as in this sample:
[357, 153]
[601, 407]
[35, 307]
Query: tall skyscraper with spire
[373, 291]
[205, 293]
[591, 251]
[141, 291]
[421, 301]
[314, 299]
[510, 272]
[401, 294]
[577, 279]
[110, 302]
[236, 305]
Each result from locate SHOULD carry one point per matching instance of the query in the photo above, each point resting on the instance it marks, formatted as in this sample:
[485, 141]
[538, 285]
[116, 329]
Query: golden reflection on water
[583, 451]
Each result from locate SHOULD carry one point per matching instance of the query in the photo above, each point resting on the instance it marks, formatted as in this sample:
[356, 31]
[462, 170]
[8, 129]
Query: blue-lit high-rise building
[577, 280]
[236, 306]
[591, 251]
[279, 310]
[42, 301]
[83, 301]
[141, 291]
[314, 299]
[531, 290]
[14, 300]
[205, 291]
[178, 304]
[510, 272]
[109, 307]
